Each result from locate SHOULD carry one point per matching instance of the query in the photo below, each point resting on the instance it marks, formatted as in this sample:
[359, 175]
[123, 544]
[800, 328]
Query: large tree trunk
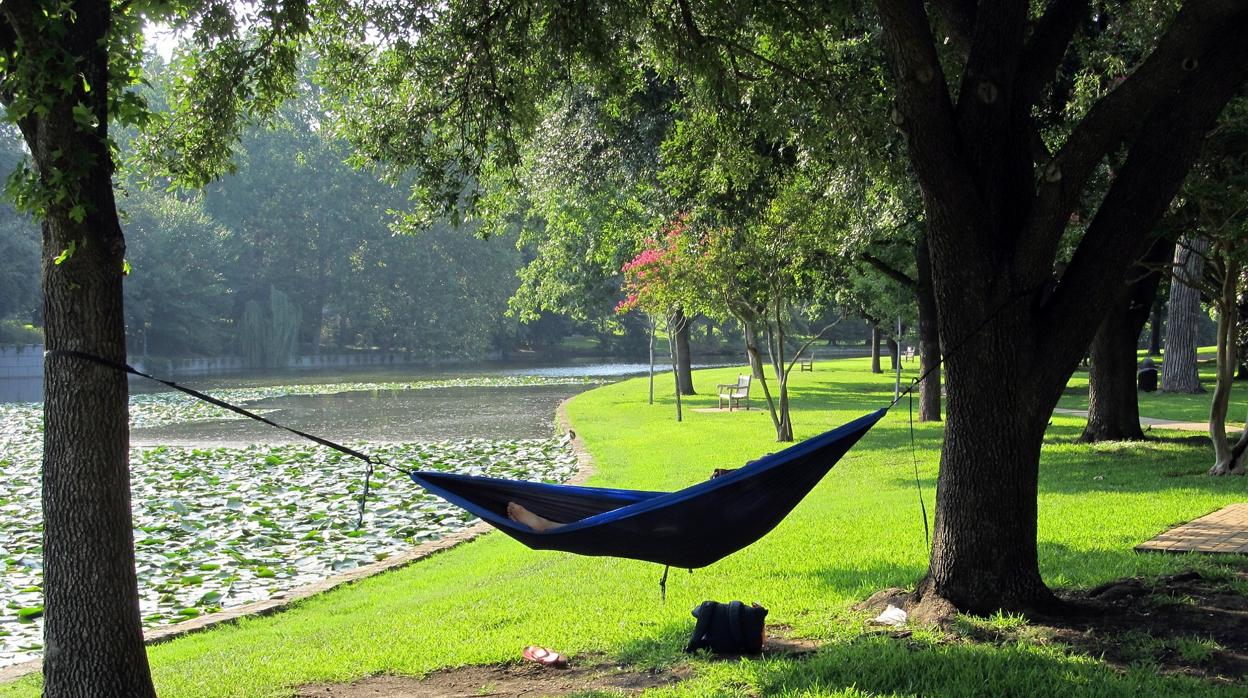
[894, 356]
[684, 364]
[929, 336]
[1227, 459]
[997, 211]
[988, 472]
[1179, 371]
[1113, 402]
[875, 349]
[784, 423]
[93, 640]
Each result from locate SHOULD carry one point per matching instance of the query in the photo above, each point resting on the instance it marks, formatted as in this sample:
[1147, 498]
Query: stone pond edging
[283, 600]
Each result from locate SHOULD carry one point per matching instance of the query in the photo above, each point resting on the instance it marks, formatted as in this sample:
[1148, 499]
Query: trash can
[1146, 377]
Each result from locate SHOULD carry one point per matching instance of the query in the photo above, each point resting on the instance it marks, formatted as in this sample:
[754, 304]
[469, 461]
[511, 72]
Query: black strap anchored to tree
[372, 461]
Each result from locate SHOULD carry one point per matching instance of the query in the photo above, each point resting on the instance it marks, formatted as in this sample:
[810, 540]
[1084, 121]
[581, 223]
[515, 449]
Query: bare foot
[515, 512]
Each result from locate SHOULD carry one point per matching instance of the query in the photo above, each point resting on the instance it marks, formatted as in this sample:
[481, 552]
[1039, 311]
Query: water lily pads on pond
[220, 527]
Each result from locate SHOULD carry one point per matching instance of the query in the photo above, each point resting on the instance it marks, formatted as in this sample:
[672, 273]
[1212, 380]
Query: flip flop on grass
[545, 657]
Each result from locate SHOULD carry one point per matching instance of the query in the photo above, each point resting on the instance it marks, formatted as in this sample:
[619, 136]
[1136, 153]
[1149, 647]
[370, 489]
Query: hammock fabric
[690, 528]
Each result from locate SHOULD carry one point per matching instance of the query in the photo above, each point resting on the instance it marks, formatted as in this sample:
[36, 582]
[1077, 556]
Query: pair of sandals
[547, 658]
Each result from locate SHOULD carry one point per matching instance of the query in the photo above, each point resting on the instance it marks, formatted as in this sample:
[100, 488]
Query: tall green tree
[177, 301]
[998, 196]
[1001, 154]
[68, 72]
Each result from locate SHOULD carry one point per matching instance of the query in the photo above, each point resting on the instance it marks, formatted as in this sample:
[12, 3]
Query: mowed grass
[858, 532]
[1177, 407]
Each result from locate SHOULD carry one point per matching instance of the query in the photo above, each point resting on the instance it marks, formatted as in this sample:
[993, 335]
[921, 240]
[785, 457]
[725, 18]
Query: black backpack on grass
[728, 628]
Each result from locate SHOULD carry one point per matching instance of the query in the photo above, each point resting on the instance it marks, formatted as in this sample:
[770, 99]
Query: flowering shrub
[652, 279]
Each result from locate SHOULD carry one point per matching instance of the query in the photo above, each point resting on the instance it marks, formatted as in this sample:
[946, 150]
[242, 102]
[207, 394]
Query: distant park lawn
[1173, 406]
[858, 532]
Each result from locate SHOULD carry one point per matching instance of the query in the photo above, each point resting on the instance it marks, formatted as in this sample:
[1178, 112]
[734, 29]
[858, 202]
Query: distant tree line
[297, 251]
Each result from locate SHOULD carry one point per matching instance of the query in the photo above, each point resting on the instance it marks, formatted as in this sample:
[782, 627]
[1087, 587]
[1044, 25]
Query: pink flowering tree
[660, 282]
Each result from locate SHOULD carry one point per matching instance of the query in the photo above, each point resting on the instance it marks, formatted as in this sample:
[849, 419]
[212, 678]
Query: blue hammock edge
[643, 501]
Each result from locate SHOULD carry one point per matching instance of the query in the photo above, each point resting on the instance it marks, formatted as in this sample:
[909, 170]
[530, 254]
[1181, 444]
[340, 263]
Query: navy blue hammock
[690, 528]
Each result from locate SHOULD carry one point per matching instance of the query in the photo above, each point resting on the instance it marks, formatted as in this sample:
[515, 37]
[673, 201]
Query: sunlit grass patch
[858, 532]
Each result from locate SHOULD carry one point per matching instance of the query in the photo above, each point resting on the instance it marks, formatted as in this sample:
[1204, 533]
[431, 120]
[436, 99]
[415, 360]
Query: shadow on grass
[841, 578]
[924, 664]
[881, 665]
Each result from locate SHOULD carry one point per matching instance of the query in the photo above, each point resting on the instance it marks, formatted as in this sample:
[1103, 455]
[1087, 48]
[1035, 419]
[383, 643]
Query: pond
[229, 511]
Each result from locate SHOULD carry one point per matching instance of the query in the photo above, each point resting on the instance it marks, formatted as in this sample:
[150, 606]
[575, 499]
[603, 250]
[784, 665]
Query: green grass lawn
[1174, 406]
[858, 532]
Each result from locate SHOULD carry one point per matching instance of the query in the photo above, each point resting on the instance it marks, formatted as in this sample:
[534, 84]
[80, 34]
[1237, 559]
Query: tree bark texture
[997, 207]
[1227, 460]
[684, 363]
[751, 348]
[875, 349]
[1113, 400]
[929, 336]
[93, 640]
[1179, 371]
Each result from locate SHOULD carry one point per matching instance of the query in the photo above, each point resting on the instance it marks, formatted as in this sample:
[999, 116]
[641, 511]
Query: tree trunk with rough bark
[989, 470]
[894, 358]
[751, 349]
[875, 349]
[1179, 371]
[929, 336]
[1227, 459]
[1113, 400]
[93, 640]
[997, 208]
[684, 363]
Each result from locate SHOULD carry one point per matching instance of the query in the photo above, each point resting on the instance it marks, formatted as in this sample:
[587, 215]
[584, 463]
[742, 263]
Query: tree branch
[889, 270]
[1043, 54]
[1156, 165]
[1195, 35]
[924, 112]
[958, 17]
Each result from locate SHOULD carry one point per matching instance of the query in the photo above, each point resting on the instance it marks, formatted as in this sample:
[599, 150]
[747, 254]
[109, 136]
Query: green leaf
[67, 252]
[78, 213]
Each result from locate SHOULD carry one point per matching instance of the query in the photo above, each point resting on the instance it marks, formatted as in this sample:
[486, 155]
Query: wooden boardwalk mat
[1223, 531]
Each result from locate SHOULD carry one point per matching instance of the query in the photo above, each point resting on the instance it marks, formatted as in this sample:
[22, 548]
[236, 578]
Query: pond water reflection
[433, 414]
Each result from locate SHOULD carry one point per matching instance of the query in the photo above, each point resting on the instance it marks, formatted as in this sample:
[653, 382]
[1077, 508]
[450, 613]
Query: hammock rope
[371, 461]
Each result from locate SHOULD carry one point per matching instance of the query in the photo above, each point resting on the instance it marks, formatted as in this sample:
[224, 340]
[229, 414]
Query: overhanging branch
[1159, 159]
[1193, 38]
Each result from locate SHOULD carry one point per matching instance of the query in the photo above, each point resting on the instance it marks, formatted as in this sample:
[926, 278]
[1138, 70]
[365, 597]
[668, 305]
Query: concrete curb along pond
[283, 600]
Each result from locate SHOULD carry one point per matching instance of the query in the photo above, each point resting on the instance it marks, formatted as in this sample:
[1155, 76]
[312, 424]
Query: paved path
[1223, 531]
[1148, 421]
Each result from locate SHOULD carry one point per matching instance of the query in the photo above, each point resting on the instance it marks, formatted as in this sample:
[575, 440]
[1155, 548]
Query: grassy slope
[858, 532]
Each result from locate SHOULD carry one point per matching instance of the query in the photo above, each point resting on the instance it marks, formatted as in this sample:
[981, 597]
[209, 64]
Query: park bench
[909, 354]
[807, 364]
[734, 393]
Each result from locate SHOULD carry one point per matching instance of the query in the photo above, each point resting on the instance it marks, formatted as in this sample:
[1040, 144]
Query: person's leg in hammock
[515, 512]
